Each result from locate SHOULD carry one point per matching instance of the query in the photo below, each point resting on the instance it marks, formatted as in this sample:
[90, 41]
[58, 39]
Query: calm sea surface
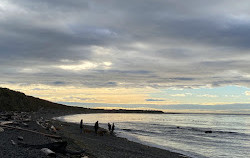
[183, 133]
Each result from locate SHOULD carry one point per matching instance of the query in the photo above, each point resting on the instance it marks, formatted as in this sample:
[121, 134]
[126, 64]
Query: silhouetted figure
[81, 126]
[109, 125]
[96, 126]
[113, 128]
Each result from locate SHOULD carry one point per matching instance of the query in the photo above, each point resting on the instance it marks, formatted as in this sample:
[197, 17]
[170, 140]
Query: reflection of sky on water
[184, 133]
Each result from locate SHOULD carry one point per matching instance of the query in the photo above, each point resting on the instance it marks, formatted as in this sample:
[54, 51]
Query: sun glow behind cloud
[85, 65]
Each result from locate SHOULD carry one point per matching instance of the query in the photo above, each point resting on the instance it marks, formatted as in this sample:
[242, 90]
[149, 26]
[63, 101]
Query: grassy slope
[16, 101]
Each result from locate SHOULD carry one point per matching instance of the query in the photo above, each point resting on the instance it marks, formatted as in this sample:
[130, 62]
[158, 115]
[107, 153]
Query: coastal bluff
[11, 100]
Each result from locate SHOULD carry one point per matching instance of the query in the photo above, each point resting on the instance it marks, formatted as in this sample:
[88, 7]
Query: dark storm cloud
[125, 43]
[46, 43]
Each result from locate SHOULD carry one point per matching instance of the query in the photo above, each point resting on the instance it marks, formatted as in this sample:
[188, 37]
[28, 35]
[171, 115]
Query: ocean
[194, 135]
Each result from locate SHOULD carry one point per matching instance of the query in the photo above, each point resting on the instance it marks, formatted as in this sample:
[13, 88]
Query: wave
[140, 131]
[193, 135]
[210, 130]
[163, 130]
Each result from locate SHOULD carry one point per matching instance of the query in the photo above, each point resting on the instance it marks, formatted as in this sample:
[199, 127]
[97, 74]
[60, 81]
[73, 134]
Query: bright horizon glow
[200, 100]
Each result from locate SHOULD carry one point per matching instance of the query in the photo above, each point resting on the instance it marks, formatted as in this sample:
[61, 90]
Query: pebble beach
[85, 145]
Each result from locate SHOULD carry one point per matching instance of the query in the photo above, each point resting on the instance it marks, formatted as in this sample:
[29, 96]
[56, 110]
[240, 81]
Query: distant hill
[16, 101]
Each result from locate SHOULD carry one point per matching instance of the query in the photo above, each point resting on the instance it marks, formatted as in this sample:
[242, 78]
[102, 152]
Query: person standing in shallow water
[109, 126]
[81, 126]
[96, 127]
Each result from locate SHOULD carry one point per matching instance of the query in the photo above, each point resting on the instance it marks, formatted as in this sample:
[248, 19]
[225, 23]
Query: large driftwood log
[6, 122]
[27, 130]
[58, 147]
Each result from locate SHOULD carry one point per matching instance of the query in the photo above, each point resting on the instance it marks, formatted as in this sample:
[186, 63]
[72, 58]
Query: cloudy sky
[169, 54]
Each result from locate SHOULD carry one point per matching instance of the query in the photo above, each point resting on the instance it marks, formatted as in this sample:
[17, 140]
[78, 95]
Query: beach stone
[48, 152]
[1, 129]
[13, 142]
[25, 125]
[52, 128]
[20, 138]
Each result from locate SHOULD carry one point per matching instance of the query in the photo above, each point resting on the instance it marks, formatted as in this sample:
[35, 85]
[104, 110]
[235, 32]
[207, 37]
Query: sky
[174, 55]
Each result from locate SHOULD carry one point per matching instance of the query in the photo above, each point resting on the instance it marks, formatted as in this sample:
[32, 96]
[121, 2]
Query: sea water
[183, 133]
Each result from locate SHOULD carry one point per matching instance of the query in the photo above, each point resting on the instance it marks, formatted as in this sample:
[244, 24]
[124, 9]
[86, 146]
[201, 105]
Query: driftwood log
[58, 147]
[27, 130]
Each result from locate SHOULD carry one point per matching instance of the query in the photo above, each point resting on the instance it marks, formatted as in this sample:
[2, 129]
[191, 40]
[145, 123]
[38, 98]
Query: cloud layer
[117, 43]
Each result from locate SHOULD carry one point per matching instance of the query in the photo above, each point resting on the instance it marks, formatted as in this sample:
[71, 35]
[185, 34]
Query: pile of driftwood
[20, 121]
[45, 124]
[16, 118]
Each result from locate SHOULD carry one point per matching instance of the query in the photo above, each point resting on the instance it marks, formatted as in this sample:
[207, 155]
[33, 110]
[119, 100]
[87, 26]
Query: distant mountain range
[16, 101]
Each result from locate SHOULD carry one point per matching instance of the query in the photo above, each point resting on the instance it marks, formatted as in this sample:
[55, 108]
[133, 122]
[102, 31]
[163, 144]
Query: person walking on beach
[96, 127]
[109, 126]
[81, 126]
[113, 128]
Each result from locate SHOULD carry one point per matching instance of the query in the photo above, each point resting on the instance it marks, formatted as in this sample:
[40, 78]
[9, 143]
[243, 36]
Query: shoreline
[112, 145]
[102, 145]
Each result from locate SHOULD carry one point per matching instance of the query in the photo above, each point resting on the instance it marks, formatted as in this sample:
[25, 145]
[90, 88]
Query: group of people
[111, 128]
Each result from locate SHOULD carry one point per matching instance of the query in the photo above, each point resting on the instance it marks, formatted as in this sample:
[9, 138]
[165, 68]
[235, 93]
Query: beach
[101, 145]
